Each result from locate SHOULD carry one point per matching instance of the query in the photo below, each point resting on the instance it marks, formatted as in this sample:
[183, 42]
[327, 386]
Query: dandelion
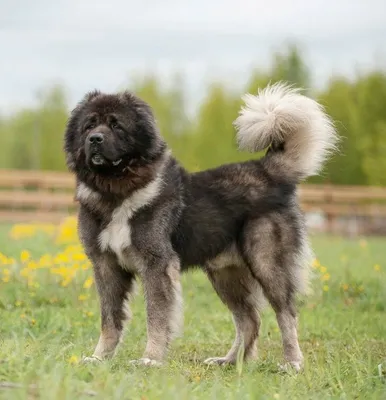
[325, 277]
[82, 297]
[88, 283]
[73, 360]
[25, 255]
[90, 314]
[4, 260]
[315, 263]
[32, 265]
[323, 270]
[33, 321]
[377, 267]
[6, 275]
[326, 288]
[22, 316]
[345, 287]
[18, 303]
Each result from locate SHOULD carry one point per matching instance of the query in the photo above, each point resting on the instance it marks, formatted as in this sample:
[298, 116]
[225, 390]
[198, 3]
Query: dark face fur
[112, 138]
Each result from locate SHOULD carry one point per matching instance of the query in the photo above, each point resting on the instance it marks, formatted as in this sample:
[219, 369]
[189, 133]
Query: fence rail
[46, 196]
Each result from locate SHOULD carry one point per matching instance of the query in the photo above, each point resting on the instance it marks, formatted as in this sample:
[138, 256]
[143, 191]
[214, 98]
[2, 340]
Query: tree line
[31, 138]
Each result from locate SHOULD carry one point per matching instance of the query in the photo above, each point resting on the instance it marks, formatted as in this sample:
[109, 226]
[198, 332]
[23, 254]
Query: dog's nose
[96, 137]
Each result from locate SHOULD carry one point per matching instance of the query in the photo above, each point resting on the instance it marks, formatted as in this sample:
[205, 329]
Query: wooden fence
[43, 196]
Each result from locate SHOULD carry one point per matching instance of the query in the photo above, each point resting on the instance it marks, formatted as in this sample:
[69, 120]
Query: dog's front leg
[115, 285]
[163, 295]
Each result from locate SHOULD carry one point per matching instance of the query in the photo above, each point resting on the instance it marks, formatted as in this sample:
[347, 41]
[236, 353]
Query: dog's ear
[72, 127]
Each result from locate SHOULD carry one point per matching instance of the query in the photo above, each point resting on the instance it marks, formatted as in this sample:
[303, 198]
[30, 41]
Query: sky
[87, 44]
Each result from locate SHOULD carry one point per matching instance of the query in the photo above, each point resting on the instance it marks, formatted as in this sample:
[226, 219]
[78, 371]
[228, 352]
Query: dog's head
[112, 137]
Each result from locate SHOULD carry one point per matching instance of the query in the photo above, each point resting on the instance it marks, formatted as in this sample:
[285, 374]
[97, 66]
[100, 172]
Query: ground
[49, 320]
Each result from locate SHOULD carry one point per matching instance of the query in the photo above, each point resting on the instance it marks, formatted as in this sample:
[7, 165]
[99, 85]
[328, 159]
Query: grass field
[49, 319]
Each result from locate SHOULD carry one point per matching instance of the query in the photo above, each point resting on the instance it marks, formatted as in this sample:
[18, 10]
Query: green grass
[342, 334]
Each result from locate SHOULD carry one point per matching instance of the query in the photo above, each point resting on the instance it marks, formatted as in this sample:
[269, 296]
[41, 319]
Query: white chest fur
[116, 237]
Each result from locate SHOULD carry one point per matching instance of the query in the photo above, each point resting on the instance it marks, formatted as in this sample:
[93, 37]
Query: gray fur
[143, 215]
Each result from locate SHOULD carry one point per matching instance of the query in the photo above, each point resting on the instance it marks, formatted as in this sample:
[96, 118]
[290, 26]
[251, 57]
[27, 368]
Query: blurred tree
[370, 125]
[33, 137]
[346, 166]
[49, 126]
[214, 132]
[287, 66]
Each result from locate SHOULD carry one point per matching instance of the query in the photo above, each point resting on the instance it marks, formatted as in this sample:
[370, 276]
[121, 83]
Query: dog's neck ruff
[116, 236]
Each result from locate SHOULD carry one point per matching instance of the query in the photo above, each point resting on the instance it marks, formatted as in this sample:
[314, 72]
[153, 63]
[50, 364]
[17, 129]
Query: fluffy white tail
[301, 134]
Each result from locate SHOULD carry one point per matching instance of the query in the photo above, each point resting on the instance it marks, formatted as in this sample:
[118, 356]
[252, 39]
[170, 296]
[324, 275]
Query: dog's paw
[291, 366]
[91, 360]
[219, 361]
[148, 362]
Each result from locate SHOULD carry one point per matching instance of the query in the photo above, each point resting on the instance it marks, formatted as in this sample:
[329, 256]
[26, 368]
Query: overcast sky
[88, 44]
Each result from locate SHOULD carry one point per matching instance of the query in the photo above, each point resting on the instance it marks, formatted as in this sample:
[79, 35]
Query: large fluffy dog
[142, 214]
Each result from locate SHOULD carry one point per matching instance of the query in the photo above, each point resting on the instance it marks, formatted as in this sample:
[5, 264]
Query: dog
[142, 215]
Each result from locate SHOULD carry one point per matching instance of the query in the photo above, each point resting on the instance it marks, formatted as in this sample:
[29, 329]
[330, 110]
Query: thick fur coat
[143, 215]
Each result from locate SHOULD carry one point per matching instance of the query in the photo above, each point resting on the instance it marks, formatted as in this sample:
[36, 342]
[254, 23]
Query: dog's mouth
[99, 160]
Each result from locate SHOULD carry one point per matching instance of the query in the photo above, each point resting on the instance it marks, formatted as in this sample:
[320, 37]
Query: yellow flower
[73, 360]
[323, 270]
[6, 275]
[22, 316]
[377, 267]
[315, 263]
[4, 260]
[61, 258]
[345, 287]
[83, 297]
[88, 283]
[79, 257]
[25, 256]
[24, 272]
[45, 261]
[33, 321]
[90, 314]
[326, 277]
[86, 266]
[18, 303]
[326, 288]
[32, 265]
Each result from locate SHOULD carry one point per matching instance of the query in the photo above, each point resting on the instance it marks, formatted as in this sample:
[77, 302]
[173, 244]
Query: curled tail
[300, 133]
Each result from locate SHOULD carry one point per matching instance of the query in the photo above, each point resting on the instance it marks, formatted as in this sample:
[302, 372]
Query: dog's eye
[114, 125]
[89, 126]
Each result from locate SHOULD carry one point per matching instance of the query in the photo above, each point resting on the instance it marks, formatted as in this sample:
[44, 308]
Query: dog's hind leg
[271, 248]
[240, 292]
